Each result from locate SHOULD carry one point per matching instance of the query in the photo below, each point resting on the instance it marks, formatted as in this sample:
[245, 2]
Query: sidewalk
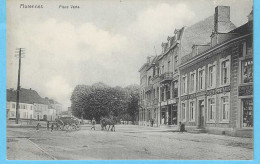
[24, 149]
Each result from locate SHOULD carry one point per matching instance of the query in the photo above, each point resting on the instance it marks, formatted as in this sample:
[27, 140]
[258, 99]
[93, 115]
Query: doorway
[201, 119]
[174, 115]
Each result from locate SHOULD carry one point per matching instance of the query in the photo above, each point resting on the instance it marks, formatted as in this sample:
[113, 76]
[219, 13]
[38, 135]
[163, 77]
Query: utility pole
[19, 55]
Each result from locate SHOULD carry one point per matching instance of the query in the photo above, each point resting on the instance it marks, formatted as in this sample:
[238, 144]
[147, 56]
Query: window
[13, 105]
[12, 114]
[175, 89]
[247, 106]
[212, 76]
[225, 76]
[169, 66]
[201, 79]
[247, 71]
[184, 84]
[192, 81]
[175, 62]
[168, 92]
[225, 108]
[211, 109]
[183, 111]
[162, 70]
[192, 111]
[157, 95]
[162, 93]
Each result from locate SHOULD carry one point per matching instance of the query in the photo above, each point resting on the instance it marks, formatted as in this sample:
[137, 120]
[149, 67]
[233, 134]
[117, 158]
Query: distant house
[54, 109]
[31, 105]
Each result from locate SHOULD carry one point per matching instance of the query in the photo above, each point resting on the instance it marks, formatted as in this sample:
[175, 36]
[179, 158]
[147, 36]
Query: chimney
[221, 18]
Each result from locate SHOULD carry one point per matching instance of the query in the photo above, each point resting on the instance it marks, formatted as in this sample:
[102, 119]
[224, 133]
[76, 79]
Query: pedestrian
[52, 126]
[152, 121]
[93, 124]
[182, 127]
[48, 125]
[37, 127]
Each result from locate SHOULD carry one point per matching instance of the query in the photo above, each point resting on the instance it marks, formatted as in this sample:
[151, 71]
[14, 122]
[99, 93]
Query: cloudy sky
[104, 41]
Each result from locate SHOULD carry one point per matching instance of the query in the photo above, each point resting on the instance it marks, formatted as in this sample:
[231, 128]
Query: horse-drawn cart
[67, 123]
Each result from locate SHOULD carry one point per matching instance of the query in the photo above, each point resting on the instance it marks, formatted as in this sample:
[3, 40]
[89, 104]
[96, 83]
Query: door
[174, 115]
[201, 122]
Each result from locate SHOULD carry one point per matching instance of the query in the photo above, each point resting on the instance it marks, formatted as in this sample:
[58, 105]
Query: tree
[101, 100]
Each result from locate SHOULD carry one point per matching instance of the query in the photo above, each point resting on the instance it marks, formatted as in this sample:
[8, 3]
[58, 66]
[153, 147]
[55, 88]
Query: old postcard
[129, 79]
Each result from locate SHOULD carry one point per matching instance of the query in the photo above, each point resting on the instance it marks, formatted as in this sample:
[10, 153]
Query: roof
[243, 30]
[28, 96]
[199, 34]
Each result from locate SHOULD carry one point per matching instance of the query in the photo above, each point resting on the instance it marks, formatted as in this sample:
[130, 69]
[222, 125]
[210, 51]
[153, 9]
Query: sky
[102, 41]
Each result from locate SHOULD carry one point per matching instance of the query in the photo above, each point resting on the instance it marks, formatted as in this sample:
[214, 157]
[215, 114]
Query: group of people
[48, 126]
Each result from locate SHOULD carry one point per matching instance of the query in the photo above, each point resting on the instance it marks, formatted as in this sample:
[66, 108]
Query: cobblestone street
[128, 142]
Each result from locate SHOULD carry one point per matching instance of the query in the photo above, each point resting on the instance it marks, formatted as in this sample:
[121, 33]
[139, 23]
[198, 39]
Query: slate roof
[28, 96]
[199, 34]
[243, 30]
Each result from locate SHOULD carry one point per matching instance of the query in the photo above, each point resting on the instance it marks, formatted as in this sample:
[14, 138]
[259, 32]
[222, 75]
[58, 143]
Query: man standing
[48, 125]
[93, 124]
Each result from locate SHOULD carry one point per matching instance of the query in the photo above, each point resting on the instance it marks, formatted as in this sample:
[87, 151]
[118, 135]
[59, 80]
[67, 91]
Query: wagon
[67, 123]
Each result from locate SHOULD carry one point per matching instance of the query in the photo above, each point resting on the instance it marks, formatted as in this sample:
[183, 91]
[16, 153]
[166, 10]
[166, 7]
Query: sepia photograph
[130, 80]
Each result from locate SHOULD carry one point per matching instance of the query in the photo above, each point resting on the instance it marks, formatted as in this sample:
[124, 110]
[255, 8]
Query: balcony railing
[166, 77]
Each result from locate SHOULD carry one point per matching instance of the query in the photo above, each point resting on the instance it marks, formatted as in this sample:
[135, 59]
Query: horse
[108, 121]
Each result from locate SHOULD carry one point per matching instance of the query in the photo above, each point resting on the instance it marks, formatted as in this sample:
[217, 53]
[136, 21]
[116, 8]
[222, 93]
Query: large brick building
[210, 87]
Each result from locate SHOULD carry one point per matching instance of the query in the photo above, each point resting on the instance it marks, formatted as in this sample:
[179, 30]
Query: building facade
[31, 106]
[211, 87]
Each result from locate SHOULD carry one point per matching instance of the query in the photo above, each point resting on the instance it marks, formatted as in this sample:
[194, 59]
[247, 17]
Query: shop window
[192, 111]
[225, 108]
[183, 111]
[211, 109]
[247, 71]
[247, 107]
[13, 105]
[225, 69]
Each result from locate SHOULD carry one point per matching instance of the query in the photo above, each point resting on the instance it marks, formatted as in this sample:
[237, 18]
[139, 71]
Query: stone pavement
[128, 142]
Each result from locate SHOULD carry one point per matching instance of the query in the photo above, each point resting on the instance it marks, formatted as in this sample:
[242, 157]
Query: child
[93, 124]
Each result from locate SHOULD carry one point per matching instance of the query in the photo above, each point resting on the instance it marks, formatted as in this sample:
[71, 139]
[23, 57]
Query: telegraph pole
[19, 55]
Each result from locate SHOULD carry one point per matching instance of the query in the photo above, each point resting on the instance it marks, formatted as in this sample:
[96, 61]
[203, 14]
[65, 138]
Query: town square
[130, 80]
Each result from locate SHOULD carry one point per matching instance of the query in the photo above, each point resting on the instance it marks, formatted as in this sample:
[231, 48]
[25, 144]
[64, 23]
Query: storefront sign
[218, 90]
[245, 90]
[208, 93]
